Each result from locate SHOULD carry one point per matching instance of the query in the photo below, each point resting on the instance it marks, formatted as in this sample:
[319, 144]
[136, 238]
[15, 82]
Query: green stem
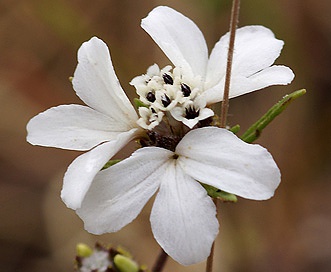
[255, 130]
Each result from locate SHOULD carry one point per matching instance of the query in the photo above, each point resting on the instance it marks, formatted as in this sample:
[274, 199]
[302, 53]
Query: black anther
[150, 97]
[168, 79]
[191, 113]
[186, 90]
[165, 100]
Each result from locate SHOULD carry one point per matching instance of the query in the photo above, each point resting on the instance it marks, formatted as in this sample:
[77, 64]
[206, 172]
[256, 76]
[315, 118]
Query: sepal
[110, 163]
[138, 103]
[219, 194]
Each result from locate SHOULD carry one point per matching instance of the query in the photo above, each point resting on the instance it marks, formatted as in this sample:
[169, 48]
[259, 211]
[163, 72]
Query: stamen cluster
[168, 93]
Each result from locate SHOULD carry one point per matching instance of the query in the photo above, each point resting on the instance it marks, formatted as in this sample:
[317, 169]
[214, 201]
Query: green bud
[125, 264]
[83, 250]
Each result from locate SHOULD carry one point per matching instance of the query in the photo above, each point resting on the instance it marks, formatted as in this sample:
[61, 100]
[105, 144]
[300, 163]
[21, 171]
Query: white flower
[149, 118]
[106, 125]
[191, 112]
[183, 215]
[256, 49]
[174, 160]
[97, 262]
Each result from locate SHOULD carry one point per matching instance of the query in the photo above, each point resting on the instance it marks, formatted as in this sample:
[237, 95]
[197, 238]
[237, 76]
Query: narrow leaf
[235, 129]
[255, 130]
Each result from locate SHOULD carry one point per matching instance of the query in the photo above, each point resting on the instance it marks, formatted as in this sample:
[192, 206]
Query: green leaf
[255, 130]
[110, 163]
[219, 194]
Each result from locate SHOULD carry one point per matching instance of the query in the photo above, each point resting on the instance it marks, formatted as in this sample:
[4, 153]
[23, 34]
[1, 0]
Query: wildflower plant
[184, 157]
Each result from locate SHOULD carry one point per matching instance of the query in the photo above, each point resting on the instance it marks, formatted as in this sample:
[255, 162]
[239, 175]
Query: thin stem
[225, 102]
[160, 261]
[233, 28]
[210, 260]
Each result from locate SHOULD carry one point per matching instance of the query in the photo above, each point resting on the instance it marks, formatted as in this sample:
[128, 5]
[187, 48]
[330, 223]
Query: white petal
[119, 193]
[179, 38]
[72, 127]
[256, 48]
[81, 172]
[217, 157]
[183, 217]
[95, 82]
[274, 75]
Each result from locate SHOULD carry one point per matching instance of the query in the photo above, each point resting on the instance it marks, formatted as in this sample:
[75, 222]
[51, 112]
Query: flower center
[171, 104]
[157, 139]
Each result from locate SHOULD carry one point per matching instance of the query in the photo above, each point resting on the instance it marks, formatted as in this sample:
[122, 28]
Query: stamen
[165, 100]
[150, 97]
[168, 79]
[191, 113]
[186, 90]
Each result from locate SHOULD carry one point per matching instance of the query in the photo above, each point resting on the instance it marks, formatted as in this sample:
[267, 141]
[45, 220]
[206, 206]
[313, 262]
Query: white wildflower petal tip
[179, 38]
[217, 157]
[240, 85]
[82, 170]
[119, 193]
[274, 75]
[256, 49]
[95, 82]
[183, 217]
[73, 127]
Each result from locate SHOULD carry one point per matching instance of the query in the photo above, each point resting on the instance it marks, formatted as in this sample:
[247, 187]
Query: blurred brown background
[38, 45]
